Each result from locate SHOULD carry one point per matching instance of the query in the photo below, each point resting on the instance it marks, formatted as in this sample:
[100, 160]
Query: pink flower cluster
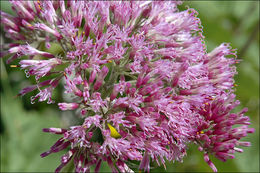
[139, 76]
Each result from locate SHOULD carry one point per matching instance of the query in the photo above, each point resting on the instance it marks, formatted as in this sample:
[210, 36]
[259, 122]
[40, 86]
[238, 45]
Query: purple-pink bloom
[138, 73]
[68, 106]
[28, 50]
[39, 68]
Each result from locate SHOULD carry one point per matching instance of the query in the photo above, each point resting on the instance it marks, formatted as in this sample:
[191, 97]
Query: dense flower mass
[138, 74]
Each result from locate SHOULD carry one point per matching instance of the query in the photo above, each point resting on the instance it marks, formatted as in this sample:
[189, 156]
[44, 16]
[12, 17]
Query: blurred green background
[22, 140]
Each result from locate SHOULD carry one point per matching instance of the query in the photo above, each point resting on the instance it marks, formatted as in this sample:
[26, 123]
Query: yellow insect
[113, 131]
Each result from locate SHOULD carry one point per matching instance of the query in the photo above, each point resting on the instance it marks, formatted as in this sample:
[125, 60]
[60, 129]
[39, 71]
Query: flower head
[138, 73]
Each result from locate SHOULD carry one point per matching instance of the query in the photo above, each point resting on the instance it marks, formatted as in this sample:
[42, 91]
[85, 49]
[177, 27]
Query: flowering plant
[138, 75]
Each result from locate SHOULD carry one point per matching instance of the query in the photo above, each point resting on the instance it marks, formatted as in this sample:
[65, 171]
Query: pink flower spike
[208, 161]
[21, 8]
[27, 25]
[49, 12]
[28, 50]
[101, 78]
[97, 103]
[9, 21]
[68, 106]
[39, 68]
[33, 87]
[54, 130]
[145, 163]
[46, 28]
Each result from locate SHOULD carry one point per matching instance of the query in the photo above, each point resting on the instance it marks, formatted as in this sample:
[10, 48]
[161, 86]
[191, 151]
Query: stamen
[39, 5]
[200, 132]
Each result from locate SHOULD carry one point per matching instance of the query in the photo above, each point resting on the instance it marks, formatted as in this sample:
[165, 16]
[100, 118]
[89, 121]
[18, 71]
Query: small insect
[113, 131]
